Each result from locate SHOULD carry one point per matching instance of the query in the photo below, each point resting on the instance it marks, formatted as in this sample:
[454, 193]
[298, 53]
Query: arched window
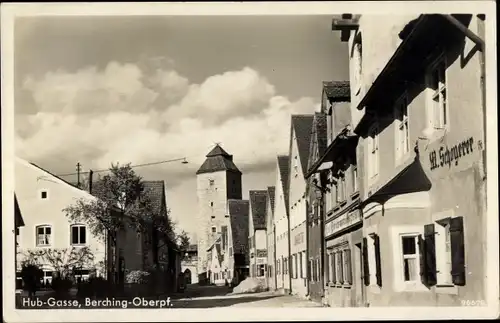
[78, 234]
[357, 63]
[43, 235]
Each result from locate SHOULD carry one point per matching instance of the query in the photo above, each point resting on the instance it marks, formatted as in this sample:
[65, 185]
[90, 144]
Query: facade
[218, 179]
[257, 237]
[314, 193]
[421, 156]
[41, 198]
[189, 265]
[237, 251]
[217, 271]
[281, 221]
[343, 221]
[18, 223]
[271, 238]
[300, 137]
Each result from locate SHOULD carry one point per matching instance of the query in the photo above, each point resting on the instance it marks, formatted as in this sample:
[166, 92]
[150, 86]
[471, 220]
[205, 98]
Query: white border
[10, 10]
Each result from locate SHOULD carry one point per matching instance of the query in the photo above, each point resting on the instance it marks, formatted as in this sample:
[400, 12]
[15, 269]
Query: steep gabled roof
[283, 164]
[258, 200]
[18, 216]
[337, 91]
[238, 217]
[155, 191]
[302, 126]
[271, 190]
[218, 160]
[319, 136]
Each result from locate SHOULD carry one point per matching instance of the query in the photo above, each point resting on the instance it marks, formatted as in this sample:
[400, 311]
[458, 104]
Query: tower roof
[218, 160]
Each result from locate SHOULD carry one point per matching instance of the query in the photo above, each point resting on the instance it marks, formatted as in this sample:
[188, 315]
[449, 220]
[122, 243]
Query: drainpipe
[308, 292]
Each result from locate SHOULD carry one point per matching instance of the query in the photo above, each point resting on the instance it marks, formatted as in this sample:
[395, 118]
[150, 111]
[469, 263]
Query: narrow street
[219, 296]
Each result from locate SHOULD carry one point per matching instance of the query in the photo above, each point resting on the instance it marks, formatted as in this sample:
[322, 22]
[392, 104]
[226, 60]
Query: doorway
[358, 276]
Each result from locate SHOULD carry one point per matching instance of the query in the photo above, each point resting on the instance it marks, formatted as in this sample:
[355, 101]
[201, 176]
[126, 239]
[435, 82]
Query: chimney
[91, 173]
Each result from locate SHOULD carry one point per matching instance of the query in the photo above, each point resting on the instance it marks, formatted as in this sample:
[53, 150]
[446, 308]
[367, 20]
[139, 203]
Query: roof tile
[238, 217]
[218, 160]
[283, 165]
[337, 91]
[258, 200]
[302, 125]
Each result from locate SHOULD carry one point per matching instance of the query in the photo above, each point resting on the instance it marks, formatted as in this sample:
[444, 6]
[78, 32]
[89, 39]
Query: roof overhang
[410, 178]
[422, 40]
[18, 220]
[328, 159]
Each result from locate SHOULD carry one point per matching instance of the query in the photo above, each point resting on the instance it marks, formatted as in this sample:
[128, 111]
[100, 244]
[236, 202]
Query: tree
[62, 261]
[183, 241]
[121, 202]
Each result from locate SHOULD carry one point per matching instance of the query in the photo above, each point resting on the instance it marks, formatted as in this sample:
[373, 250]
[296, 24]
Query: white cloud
[123, 114]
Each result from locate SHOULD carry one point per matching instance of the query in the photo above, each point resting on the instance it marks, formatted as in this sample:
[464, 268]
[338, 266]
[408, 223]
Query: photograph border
[9, 11]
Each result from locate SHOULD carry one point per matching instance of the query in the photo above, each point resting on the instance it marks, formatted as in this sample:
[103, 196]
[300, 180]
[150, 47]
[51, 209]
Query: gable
[301, 131]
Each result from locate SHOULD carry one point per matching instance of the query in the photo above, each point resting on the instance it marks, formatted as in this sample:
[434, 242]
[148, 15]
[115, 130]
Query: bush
[95, 286]
[138, 277]
[61, 285]
[31, 275]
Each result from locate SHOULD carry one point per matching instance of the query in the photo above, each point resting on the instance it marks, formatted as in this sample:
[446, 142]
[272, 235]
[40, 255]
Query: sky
[142, 89]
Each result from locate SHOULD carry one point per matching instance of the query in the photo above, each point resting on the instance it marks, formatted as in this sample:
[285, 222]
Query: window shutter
[348, 274]
[309, 270]
[430, 254]
[457, 251]
[378, 263]
[366, 268]
[423, 265]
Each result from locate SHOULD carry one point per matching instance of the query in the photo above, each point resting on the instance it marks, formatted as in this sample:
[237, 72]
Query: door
[358, 276]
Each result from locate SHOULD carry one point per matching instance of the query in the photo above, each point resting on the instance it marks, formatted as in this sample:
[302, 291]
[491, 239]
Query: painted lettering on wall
[446, 156]
[299, 238]
[342, 222]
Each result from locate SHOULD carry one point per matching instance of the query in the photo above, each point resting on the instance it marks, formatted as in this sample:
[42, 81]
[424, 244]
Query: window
[43, 194]
[295, 265]
[341, 189]
[443, 261]
[333, 274]
[211, 182]
[262, 271]
[402, 130]
[78, 234]
[211, 203]
[347, 267]
[44, 235]
[373, 152]
[355, 179]
[410, 258]
[318, 270]
[437, 84]
[340, 274]
[214, 229]
[278, 268]
[301, 265]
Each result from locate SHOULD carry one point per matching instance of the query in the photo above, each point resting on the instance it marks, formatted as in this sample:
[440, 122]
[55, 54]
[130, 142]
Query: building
[314, 195]
[418, 105]
[257, 237]
[282, 224]
[216, 269]
[41, 198]
[189, 264]
[238, 253]
[271, 238]
[300, 137]
[218, 179]
[343, 221]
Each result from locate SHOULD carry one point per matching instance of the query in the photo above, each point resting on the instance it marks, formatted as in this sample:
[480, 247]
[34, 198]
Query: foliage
[183, 241]
[62, 261]
[31, 275]
[138, 277]
[95, 286]
[61, 284]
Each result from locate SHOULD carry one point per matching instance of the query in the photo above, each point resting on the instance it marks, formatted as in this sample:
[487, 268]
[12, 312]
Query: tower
[218, 179]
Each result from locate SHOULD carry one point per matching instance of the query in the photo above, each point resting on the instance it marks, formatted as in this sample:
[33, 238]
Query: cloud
[140, 114]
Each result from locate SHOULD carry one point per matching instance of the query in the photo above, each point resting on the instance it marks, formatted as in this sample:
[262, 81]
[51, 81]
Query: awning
[421, 38]
[410, 178]
[332, 154]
